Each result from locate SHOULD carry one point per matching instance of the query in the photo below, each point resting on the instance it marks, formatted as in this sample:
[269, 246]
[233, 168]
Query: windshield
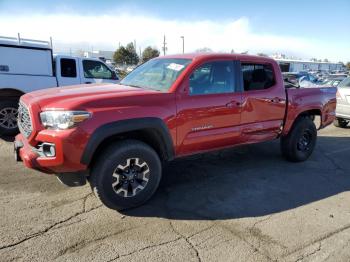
[157, 74]
[345, 83]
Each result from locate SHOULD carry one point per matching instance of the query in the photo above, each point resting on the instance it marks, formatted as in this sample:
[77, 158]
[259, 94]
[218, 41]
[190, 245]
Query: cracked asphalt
[241, 204]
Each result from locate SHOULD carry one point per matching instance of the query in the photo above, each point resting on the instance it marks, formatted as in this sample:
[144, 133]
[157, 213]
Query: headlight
[63, 119]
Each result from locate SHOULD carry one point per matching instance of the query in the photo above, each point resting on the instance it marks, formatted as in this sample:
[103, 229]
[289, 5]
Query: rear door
[67, 72]
[209, 109]
[94, 71]
[263, 101]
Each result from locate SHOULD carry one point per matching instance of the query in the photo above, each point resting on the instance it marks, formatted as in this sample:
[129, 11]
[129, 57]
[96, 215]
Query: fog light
[49, 150]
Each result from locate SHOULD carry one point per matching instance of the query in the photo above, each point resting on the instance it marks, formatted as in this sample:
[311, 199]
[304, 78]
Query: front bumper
[24, 152]
[68, 150]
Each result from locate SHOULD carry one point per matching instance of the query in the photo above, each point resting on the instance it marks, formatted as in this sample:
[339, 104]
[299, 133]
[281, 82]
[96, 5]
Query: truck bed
[320, 99]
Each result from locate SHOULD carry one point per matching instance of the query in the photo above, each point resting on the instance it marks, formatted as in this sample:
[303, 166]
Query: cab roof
[195, 56]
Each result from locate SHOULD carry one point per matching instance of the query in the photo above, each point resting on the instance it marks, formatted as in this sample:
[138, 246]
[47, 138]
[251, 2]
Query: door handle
[275, 100]
[233, 104]
[88, 82]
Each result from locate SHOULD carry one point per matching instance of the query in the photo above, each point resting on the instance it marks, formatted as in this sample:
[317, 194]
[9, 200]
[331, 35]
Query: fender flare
[114, 128]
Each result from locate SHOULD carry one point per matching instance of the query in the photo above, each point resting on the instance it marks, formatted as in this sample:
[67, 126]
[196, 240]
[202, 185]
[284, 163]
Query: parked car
[337, 75]
[343, 104]
[117, 136]
[334, 82]
[28, 65]
[301, 79]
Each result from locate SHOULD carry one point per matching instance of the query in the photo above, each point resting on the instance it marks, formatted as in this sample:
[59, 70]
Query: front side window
[212, 78]
[68, 68]
[257, 76]
[156, 74]
[96, 69]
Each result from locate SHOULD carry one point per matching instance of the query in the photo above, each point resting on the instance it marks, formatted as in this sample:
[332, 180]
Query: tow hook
[17, 145]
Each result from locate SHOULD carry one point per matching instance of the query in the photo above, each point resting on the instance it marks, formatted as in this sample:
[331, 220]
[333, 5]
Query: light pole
[164, 46]
[183, 44]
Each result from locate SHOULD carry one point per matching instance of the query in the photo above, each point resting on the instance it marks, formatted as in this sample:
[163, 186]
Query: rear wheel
[299, 144]
[8, 117]
[126, 174]
[339, 122]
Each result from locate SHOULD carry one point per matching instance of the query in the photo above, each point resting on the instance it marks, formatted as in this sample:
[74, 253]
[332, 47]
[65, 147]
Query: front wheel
[299, 144]
[126, 175]
[339, 122]
[8, 117]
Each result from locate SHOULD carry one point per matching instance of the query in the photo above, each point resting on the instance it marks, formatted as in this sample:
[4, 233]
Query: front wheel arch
[149, 130]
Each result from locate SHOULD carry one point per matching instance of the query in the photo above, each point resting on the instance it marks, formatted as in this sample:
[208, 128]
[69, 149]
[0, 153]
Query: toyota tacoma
[118, 136]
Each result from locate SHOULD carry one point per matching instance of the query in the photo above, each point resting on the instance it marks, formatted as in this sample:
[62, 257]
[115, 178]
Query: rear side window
[4, 68]
[68, 68]
[257, 76]
[212, 78]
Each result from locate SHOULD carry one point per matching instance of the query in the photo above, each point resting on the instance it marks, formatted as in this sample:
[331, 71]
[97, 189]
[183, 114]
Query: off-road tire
[101, 177]
[300, 142]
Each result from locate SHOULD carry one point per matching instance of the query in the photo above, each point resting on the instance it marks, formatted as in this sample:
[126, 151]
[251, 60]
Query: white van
[27, 65]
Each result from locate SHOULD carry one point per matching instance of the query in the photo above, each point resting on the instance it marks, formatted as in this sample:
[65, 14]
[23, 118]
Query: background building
[289, 65]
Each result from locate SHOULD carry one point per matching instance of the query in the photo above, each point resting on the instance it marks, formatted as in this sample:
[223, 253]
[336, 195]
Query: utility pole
[164, 46]
[135, 45]
[140, 52]
[183, 44]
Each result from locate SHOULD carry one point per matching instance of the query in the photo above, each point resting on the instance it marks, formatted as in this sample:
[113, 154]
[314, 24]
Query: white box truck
[27, 65]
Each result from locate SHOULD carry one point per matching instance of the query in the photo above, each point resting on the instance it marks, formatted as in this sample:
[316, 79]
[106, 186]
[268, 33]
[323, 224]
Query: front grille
[24, 121]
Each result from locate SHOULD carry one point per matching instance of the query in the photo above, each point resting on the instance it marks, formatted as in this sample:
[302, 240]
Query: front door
[96, 72]
[208, 112]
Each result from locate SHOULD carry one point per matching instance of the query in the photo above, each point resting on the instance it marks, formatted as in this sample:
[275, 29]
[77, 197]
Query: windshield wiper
[132, 85]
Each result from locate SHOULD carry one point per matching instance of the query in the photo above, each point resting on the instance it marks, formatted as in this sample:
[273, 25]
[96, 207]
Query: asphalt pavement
[240, 204]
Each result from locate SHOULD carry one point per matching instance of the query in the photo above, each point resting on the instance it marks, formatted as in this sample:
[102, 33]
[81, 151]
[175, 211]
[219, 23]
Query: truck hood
[74, 97]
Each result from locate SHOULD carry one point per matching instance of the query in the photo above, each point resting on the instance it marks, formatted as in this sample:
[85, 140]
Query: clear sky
[303, 29]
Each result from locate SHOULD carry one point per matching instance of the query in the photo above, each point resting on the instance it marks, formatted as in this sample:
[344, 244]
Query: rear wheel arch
[151, 131]
[10, 93]
[312, 113]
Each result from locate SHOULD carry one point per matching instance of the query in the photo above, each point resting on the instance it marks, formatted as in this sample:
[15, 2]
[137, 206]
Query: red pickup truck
[116, 136]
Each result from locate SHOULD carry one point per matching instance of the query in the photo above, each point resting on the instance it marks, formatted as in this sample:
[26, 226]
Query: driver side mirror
[290, 83]
[114, 76]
